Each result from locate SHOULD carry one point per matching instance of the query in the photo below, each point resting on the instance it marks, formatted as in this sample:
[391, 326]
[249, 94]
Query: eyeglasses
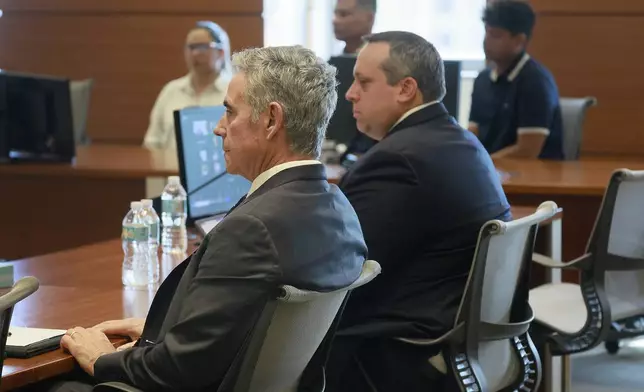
[202, 47]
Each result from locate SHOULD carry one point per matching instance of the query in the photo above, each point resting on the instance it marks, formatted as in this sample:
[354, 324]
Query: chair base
[626, 328]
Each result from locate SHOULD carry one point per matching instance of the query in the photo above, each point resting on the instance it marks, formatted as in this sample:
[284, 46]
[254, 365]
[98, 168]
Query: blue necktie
[237, 204]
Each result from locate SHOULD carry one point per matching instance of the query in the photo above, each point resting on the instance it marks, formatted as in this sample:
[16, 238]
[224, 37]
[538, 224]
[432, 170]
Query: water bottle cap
[146, 202]
[135, 205]
[174, 180]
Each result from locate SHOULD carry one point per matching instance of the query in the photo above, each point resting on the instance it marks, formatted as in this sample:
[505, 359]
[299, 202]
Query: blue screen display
[203, 160]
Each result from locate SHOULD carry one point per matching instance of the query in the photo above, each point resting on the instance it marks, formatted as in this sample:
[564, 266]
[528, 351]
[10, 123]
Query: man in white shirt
[207, 55]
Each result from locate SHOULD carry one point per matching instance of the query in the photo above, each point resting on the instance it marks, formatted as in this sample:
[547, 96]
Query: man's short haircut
[411, 55]
[370, 5]
[302, 83]
[515, 16]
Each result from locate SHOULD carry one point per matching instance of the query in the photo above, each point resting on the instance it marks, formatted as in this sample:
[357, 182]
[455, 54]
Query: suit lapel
[243, 198]
[166, 293]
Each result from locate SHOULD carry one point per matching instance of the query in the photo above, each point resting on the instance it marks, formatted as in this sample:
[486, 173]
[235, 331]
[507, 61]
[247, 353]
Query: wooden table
[83, 289]
[56, 207]
[576, 186]
[50, 207]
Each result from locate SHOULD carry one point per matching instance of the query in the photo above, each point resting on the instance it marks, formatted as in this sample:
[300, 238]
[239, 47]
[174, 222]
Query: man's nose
[351, 94]
[219, 130]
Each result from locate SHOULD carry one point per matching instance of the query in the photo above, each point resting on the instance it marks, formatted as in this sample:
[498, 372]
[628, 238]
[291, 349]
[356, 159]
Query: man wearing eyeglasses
[207, 55]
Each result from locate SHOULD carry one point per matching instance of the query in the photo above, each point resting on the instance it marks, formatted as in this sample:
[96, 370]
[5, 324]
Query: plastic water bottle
[137, 271]
[152, 219]
[174, 237]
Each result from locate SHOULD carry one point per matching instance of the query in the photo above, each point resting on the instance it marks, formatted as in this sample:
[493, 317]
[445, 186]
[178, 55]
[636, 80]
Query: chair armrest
[551, 263]
[454, 334]
[115, 386]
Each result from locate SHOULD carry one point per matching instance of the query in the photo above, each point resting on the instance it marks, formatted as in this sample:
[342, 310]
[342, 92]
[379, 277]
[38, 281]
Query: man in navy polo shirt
[515, 103]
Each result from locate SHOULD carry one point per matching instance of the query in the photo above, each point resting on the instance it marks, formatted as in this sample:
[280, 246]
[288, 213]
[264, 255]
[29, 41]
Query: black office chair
[489, 348]
[608, 304]
[573, 114]
[80, 92]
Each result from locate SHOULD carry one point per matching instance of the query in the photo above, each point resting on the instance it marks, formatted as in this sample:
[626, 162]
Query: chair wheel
[612, 346]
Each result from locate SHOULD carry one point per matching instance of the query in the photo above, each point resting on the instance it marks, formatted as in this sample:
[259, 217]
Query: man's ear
[408, 89]
[521, 41]
[275, 119]
[371, 18]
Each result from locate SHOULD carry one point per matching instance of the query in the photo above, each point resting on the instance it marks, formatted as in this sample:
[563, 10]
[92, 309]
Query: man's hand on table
[132, 327]
[86, 346]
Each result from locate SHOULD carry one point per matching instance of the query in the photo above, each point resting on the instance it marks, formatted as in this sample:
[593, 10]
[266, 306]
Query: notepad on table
[25, 342]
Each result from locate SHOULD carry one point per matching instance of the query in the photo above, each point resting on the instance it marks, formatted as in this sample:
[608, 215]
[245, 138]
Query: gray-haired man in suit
[293, 228]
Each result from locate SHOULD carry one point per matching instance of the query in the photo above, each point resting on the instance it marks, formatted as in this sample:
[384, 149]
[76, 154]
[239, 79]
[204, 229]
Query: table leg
[566, 368]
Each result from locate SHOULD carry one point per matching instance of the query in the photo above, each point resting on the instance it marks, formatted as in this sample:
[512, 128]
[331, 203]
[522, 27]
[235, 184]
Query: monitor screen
[36, 117]
[202, 165]
[453, 84]
[342, 126]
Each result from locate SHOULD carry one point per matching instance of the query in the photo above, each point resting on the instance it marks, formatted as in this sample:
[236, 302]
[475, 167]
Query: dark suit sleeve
[381, 190]
[237, 274]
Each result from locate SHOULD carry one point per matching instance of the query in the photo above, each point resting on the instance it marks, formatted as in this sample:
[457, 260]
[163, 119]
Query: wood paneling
[130, 48]
[589, 47]
[124, 6]
[582, 7]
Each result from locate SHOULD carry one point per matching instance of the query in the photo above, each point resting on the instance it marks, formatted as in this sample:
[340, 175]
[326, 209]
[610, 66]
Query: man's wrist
[93, 361]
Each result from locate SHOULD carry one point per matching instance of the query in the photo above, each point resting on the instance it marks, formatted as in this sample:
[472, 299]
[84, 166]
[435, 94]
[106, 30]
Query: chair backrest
[496, 295]
[573, 114]
[292, 330]
[617, 242]
[80, 92]
[21, 290]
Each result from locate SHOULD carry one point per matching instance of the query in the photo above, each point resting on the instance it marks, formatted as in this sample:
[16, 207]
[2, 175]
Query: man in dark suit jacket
[293, 228]
[421, 194]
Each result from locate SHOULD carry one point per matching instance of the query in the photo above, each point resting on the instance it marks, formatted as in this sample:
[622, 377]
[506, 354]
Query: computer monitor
[35, 118]
[211, 190]
[342, 127]
[453, 84]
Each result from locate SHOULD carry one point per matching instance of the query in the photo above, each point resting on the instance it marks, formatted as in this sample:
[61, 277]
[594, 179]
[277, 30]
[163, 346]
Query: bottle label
[154, 230]
[135, 232]
[174, 206]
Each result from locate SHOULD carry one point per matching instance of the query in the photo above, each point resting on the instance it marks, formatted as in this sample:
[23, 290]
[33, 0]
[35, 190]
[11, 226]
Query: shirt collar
[515, 71]
[220, 84]
[412, 111]
[265, 176]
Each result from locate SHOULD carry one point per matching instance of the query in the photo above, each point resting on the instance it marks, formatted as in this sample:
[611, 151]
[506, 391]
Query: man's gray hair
[410, 55]
[302, 83]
